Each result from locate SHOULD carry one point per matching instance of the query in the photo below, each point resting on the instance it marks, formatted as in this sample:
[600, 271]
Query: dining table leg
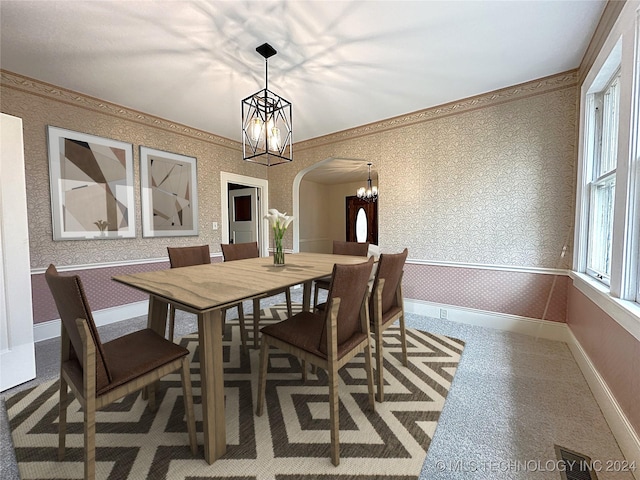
[212, 384]
[256, 321]
[306, 296]
[156, 321]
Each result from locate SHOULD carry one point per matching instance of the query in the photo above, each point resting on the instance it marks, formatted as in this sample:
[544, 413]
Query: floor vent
[575, 466]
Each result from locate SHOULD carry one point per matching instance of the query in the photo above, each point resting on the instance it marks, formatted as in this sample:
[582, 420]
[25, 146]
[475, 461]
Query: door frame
[262, 185]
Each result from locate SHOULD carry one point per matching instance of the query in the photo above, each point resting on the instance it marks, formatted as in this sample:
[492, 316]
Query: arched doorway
[320, 194]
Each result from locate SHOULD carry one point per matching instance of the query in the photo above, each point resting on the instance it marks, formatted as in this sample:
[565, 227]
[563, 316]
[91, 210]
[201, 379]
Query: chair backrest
[350, 284]
[188, 256]
[72, 304]
[351, 248]
[390, 267]
[239, 251]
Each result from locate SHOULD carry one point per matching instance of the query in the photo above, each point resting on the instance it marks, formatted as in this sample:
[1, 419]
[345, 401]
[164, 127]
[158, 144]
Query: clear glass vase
[278, 254]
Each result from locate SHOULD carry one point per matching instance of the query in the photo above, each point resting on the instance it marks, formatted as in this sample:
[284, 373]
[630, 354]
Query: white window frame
[621, 297]
[633, 280]
[627, 265]
[600, 150]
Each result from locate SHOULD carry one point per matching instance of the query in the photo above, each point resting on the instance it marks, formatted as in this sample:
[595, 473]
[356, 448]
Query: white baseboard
[499, 321]
[51, 329]
[627, 438]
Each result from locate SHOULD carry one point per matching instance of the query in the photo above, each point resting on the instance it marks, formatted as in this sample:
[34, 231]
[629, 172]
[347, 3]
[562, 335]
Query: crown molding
[536, 87]
[69, 97]
[607, 20]
[568, 79]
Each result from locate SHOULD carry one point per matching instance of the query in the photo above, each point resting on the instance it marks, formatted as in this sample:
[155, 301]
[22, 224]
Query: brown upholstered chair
[241, 251]
[327, 340]
[340, 248]
[387, 306]
[198, 255]
[101, 373]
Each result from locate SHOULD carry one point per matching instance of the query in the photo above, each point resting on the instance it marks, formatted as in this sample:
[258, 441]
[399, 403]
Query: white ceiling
[342, 170]
[341, 63]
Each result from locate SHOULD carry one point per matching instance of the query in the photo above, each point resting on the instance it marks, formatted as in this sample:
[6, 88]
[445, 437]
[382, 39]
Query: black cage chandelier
[370, 193]
[266, 122]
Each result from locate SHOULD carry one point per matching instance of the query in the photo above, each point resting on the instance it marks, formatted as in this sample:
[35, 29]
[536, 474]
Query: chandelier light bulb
[256, 128]
[274, 139]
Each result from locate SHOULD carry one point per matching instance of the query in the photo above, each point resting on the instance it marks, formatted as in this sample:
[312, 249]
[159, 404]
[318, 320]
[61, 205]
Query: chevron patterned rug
[290, 441]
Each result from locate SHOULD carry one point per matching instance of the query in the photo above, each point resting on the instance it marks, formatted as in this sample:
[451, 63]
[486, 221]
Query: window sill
[624, 312]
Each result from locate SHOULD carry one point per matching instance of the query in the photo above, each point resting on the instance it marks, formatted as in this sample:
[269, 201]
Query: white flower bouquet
[279, 223]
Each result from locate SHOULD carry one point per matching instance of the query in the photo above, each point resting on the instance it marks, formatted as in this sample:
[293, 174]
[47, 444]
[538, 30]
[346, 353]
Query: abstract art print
[169, 194]
[91, 186]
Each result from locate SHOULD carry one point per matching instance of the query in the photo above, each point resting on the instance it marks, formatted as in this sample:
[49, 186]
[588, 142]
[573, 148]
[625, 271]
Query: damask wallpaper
[485, 180]
[488, 180]
[40, 104]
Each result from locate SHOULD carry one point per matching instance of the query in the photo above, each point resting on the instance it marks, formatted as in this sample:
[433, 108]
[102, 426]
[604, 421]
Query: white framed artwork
[169, 194]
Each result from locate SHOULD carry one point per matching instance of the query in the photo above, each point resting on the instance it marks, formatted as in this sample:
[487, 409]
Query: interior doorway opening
[244, 226]
[243, 208]
[361, 220]
[320, 205]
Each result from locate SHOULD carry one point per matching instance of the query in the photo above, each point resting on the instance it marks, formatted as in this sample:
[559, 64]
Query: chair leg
[243, 330]
[223, 313]
[256, 321]
[368, 364]
[379, 362]
[90, 439]
[262, 375]
[315, 295]
[303, 365]
[333, 414]
[403, 337]
[188, 405]
[62, 424]
[172, 321]
[287, 294]
[151, 398]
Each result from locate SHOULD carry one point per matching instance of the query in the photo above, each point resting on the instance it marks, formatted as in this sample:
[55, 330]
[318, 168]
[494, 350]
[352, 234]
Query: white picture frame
[169, 194]
[91, 182]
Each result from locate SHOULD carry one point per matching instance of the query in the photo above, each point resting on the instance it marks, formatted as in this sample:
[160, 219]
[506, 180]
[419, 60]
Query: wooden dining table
[205, 290]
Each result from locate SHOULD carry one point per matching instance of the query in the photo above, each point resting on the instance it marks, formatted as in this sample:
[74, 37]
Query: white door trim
[263, 190]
